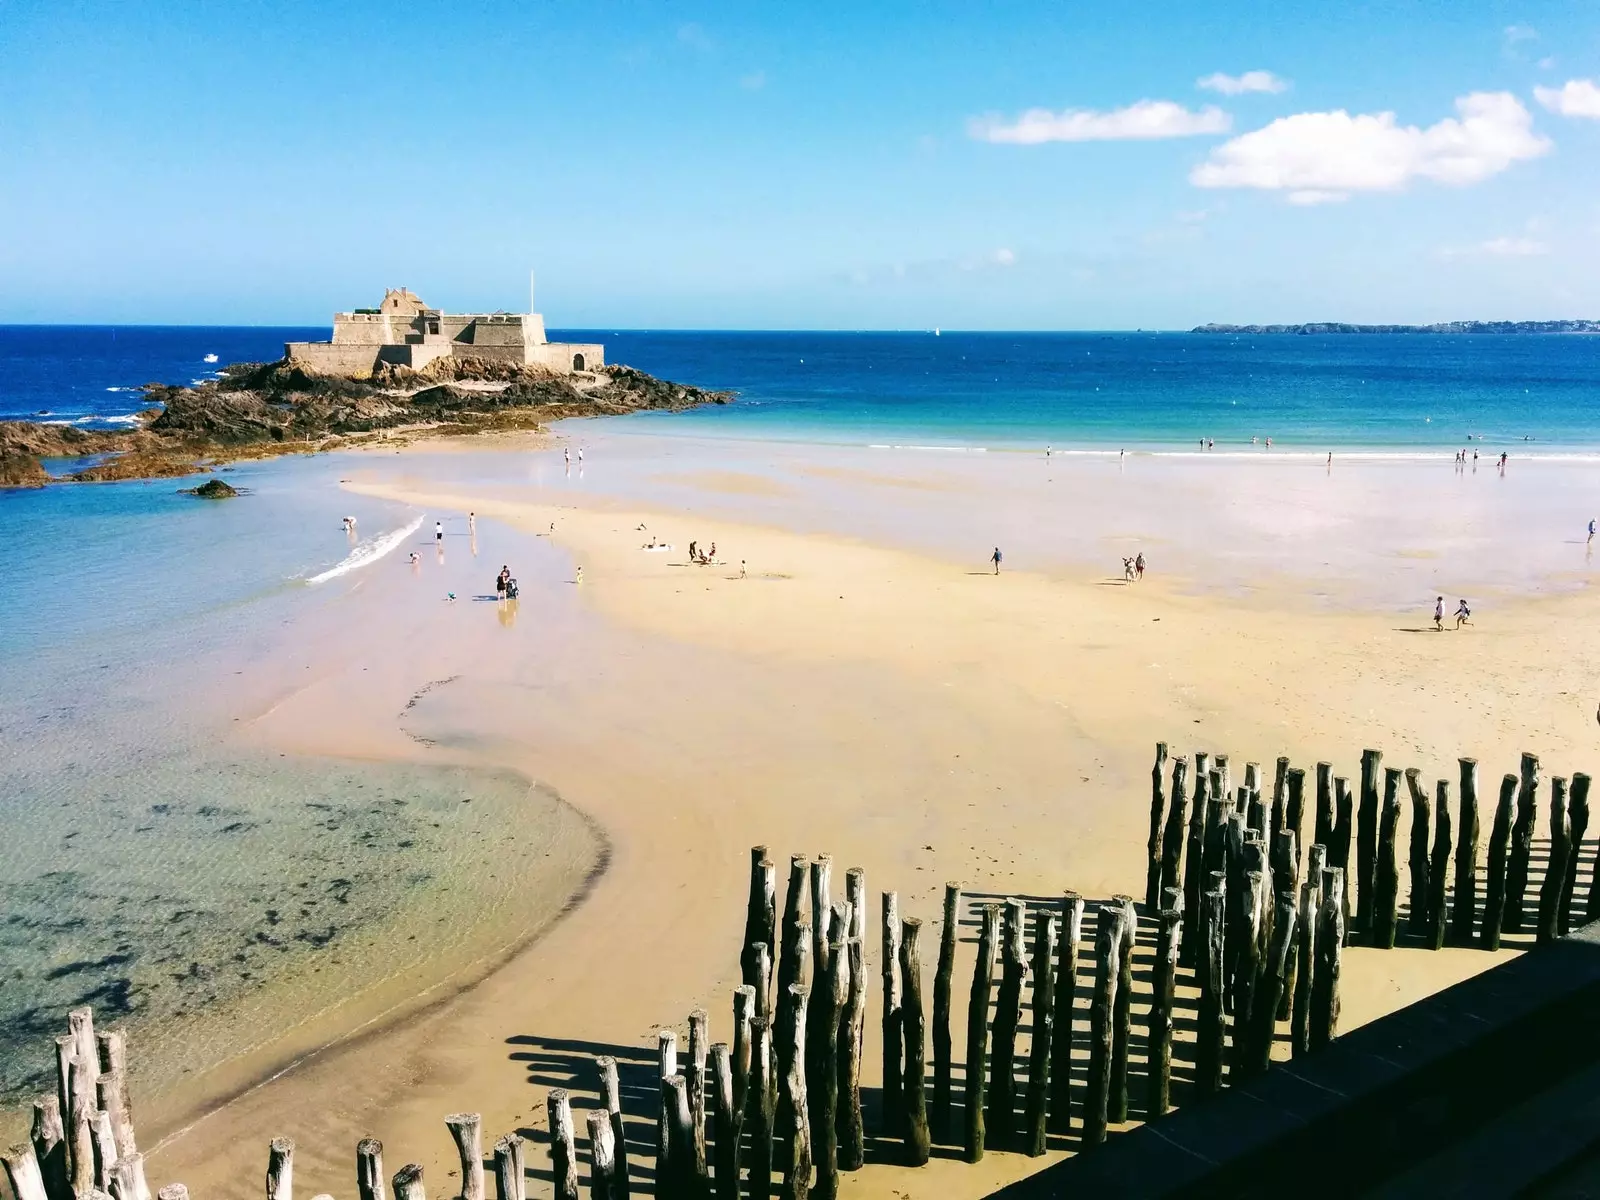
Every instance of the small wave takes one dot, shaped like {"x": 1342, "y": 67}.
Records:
{"x": 121, "y": 389}
{"x": 948, "y": 449}
{"x": 368, "y": 552}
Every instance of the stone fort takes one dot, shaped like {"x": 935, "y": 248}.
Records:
{"x": 405, "y": 332}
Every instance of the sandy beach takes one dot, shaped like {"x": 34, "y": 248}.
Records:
{"x": 851, "y": 678}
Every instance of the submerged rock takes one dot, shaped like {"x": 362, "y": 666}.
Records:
{"x": 213, "y": 489}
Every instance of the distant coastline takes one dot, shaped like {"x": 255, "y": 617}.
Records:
{"x": 1313, "y": 327}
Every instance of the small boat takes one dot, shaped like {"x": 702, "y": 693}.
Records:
{"x": 210, "y": 358}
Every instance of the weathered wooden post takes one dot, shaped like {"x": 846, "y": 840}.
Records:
{"x": 1264, "y": 1011}
{"x": 943, "y": 980}
{"x": 1194, "y": 862}
{"x": 783, "y": 1048}
{"x": 125, "y": 1179}
{"x": 694, "y": 1082}
{"x": 466, "y": 1130}
{"x": 1235, "y": 902}
{"x": 1158, "y": 811}
{"x": 893, "y": 1064}
{"x": 77, "y": 1100}
{"x": 1419, "y": 858}
{"x": 761, "y": 915}
{"x": 793, "y": 949}
{"x": 105, "y": 1149}
{"x": 48, "y": 1137}
{"x": 24, "y": 1174}
{"x": 602, "y": 1157}
{"x": 1578, "y": 818}
{"x": 1363, "y": 882}
{"x": 1325, "y": 814}
{"x": 280, "y": 1169}
{"x": 829, "y": 995}
{"x": 1295, "y": 808}
{"x": 1109, "y": 932}
{"x": 1555, "y": 875}
{"x": 1158, "y": 1099}
{"x": 1210, "y": 1026}
{"x": 1439, "y": 868}
{"x": 1254, "y": 894}
{"x": 511, "y": 1176}
{"x": 1381, "y": 890}
{"x": 1041, "y": 1046}
{"x": 370, "y": 1182}
{"x": 1286, "y": 886}
{"x": 821, "y": 906}
{"x": 563, "y": 1156}
{"x": 1521, "y": 843}
{"x": 1280, "y": 797}
{"x": 1176, "y": 826}
{"x": 1339, "y": 852}
{"x": 918, "y": 1141}
{"x": 1066, "y": 987}
{"x": 744, "y": 1010}
{"x": 852, "y": 1130}
{"x": 666, "y": 1068}
{"x": 1001, "y": 1119}
{"x": 792, "y": 1103}
{"x": 611, "y": 1099}
{"x": 978, "y": 1029}
{"x": 675, "y": 1178}
{"x": 1494, "y": 901}
{"x": 763, "y": 1109}
{"x": 760, "y": 970}
{"x": 1305, "y": 955}
{"x": 1464, "y": 910}
{"x": 1329, "y": 955}
{"x": 173, "y": 1191}
{"x": 1122, "y": 1013}
{"x": 407, "y": 1183}
{"x": 725, "y": 1133}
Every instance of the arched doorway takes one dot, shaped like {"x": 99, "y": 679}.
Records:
{"x": 577, "y": 362}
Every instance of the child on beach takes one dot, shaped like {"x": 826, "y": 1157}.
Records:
{"x": 1463, "y": 614}
{"x": 1438, "y": 615}
{"x": 438, "y": 532}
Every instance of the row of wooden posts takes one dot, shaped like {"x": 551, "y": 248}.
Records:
{"x": 1181, "y": 837}
{"x": 1264, "y": 939}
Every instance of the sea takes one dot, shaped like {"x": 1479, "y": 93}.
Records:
{"x": 159, "y": 871}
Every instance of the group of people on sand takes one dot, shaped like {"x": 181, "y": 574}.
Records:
{"x": 703, "y": 558}
{"x": 1463, "y": 615}
{"x": 505, "y": 587}
{"x": 1133, "y": 568}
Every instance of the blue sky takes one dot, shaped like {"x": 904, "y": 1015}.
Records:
{"x": 1025, "y": 166}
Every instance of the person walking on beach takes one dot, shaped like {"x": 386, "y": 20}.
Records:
{"x": 1438, "y": 615}
{"x": 438, "y": 533}
{"x": 741, "y": 568}
{"x": 1591, "y": 529}
{"x": 1138, "y": 566}
{"x": 1463, "y": 614}
{"x": 995, "y": 558}
{"x": 566, "y": 456}
{"x": 472, "y": 522}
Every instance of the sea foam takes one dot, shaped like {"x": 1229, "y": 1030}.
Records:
{"x": 368, "y": 552}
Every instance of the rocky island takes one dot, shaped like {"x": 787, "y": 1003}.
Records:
{"x": 256, "y": 410}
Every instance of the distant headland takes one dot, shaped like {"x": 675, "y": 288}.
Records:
{"x": 1573, "y": 326}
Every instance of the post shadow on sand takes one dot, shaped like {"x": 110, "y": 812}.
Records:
{"x": 570, "y": 1063}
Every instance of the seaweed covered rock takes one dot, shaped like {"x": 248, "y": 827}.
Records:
{"x": 213, "y": 489}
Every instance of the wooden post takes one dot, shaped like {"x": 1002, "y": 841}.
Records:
{"x": 1339, "y": 852}
{"x": 1280, "y": 798}
{"x": 913, "y": 1029}
{"x": 78, "y": 1105}
{"x": 1494, "y": 902}
{"x": 1329, "y": 954}
{"x": 1001, "y": 1119}
{"x": 666, "y": 1068}
{"x": 943, "y": 981}
{"x": 108, "y": 1088}
{"x": 1234, "y": 904}
{"x": 1384, "y": 881}
{"x": 511, "y": 1175}
{"x": 694, "y": 1082}
{"x": 830, "y": 992}
{"x": 50, "y": 1147}
{"x": 794, "y": 949}
{"x": 408, "y": 1183}
{"x": 1521, "y": 844}
{"x": 1420, "y": 862}
{"x": 675, "y": 1178}
{"x": 105, "y": 1148}
{"x": 978, "y": 1029}
{"x": 761, "y": 909}
{"x": 1066, "y": 987}
{"x": 370, "y": 1182}
{"x": 1578, "y": 816}
{"x": 763, "y": 1103}
{"x": 1194, "y": 867}
{"x": 1264, "y": 1013}
{"x": 1158, "y": 1100}
{"x": 280, "y": 1169}
{"x": 744, "y": 1009}
{"x": 1305, "y": 955}
{"x": 726, "y": 1132}
{"x": 1249, "y": 968}
{"x": 852, "y": 1131}
{"x": 173, "y": 1191}
{"x": 563, "y": 1157}
{"x": 22, "y": 1170}
{"x": 466, "y": 1129}
{"x": 1109, "y": 931}
{"x": 891, "y": 1117}
{"x": 1364, "y": 883}
{"x": 794, "y": 900}
{"x": 821, "y": 906}
{"x": 1158, "y": 807}
{"x": 760, "y": 956}
{"x": 1172, "y": 836}
{"x": 126, "y": 1179}
{"x": 1464, "y": 909}
{"x": 1555, "y": 875}
{"x": 783, "y": 1048}
{"x": 1122, "y": 1013}
{"x": 1325, "y": 814}
{"x": 1286, "y": 886}
{"x": 1041, "y": 1044}
{"x": 1438, "y": 870}
{"x": 1295, "y": 809}
{"x": 611, "y": 1098}
{"x": 602, "y": 1156}
{"x": 792, "y": 1103}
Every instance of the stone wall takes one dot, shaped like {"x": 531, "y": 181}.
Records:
{"x": 560, "y": 356}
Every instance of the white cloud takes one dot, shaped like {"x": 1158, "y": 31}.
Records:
{"x": 1320, "y": 157}
{"x": 1500, "y": 247}
{"x": 1520, "y": 33}
{"x": 1005, "y": 258}
{"x": 1144, "y": 120}
{"x": 1238, "y": 85}
{"x": 1575, "y": 98}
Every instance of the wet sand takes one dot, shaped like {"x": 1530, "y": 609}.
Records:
{"x": 871, "y": 691}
